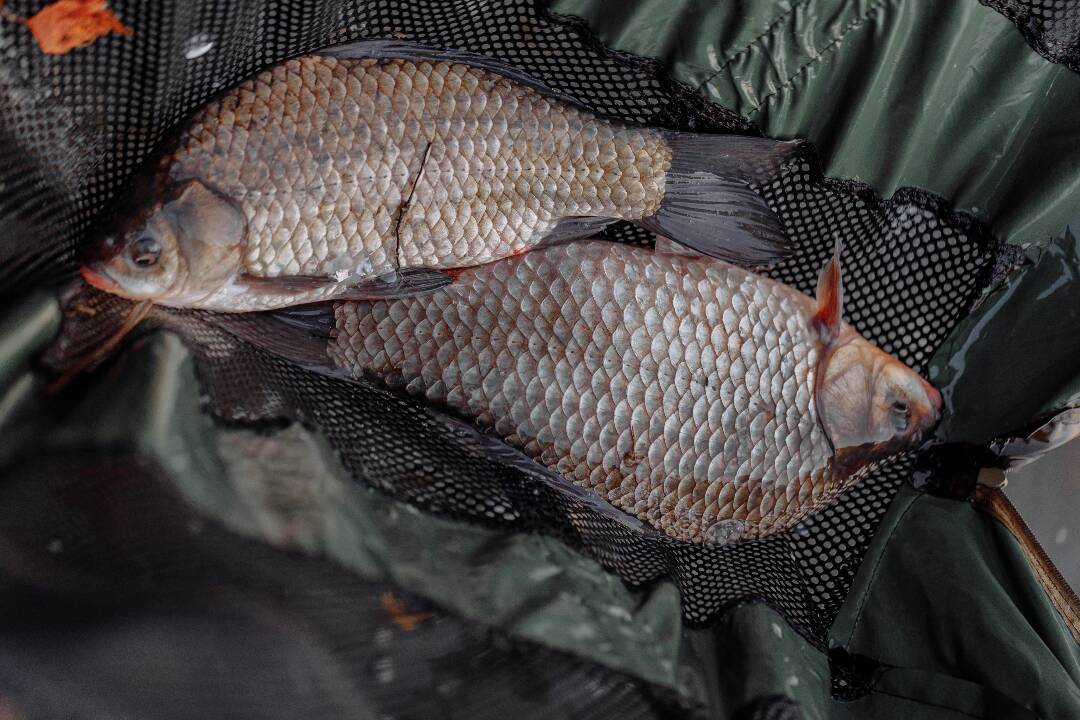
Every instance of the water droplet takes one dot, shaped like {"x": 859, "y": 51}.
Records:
{"x": 1061, "y": 536}
{"x": 55, "y": 546}
{"x": 383, "y": 636}
{"x": 724, "y": 532}
{"x": 383, "y": 670}
{"x": 198, "y": 45}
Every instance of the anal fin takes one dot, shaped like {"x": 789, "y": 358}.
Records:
{"x": 495, "y": 450}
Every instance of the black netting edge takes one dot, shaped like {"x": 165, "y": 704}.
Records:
{"x": 1051, "y": 27}
{"x": 690, "y": 111}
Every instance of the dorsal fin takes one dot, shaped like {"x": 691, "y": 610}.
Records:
{"x": 403, "y": 50}
{"x": 830, "y": 298}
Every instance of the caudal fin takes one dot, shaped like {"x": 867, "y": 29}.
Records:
{"x": 708, "y": 203}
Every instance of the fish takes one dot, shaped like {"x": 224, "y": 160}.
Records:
{"x": 371, "y": 170}
{"x": 711, "y": 403}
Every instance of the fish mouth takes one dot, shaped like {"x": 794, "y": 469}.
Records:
{"x": 99, "y": 279}
{"x": 933, "y": 396}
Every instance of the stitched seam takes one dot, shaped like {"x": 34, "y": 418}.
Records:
{"x": 874, "y": 574}
{"x": 831, "y": 47}
{"x": 739, "y": 53}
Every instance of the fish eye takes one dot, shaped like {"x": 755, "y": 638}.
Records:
{"x": 900, "y": 415}
{"x": 145, "y": 251}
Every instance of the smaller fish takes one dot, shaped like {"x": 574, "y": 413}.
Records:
{"x": 373, "y": 170}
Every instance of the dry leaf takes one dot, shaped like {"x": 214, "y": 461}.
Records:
{"x": 67, "y": 24}
{"x": 396, "y": 610}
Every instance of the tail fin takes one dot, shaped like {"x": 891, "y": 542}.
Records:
{"x": 708, "y": 203}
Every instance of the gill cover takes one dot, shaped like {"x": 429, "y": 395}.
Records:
{"x": 209, "y": 230}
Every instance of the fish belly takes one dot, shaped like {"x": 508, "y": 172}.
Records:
{"x": 679, "y": 389}
{"x": 359, "y": 167}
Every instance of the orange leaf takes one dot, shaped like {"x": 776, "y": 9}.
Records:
{"x": 67, "y": 24}
{"x": 407, "y": 621}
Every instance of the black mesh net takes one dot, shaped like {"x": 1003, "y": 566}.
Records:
{"x": 1052, "y": 27}
{"x": 74, "y": 127}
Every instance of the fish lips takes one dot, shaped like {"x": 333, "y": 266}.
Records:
{"x": 97, "y": 277}
{"x": 926, "y": 420}
{"x": 935, "y": 398}
{"x": 94, "y": 257}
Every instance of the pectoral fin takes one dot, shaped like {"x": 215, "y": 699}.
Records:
{"x": 574, "y": 228}
{"x": 397, "y": 284}
{"x": 284, "y": 284}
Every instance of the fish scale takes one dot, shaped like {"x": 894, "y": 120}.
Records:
{"x": 679, "y": 389}
{"x": 322, "y": 154}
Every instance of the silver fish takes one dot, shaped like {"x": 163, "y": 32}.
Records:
{"x": 708, "y": 401}
{"x": 369, "y": 170}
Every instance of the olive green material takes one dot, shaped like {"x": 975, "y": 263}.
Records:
{"x": 751, "y": 652}
{"x": 527, "y": 584}
{"x": 1023, "y": 342}
{"x": 947, "y": 597}
{"x": 287, "y": 489}
{"x": 148, "y": 401}
{"x": 25, "y": 329}
{"x": 944, "y": 96}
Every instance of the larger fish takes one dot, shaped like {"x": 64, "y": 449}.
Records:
{"x": 708, "y": 401}
{"x": 369, "y": 170}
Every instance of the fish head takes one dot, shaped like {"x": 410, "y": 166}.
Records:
{"x": 174, "y": 249}
{"x": 871, "y": 404}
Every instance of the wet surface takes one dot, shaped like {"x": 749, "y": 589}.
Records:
{"x": 1047, "y": 494}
